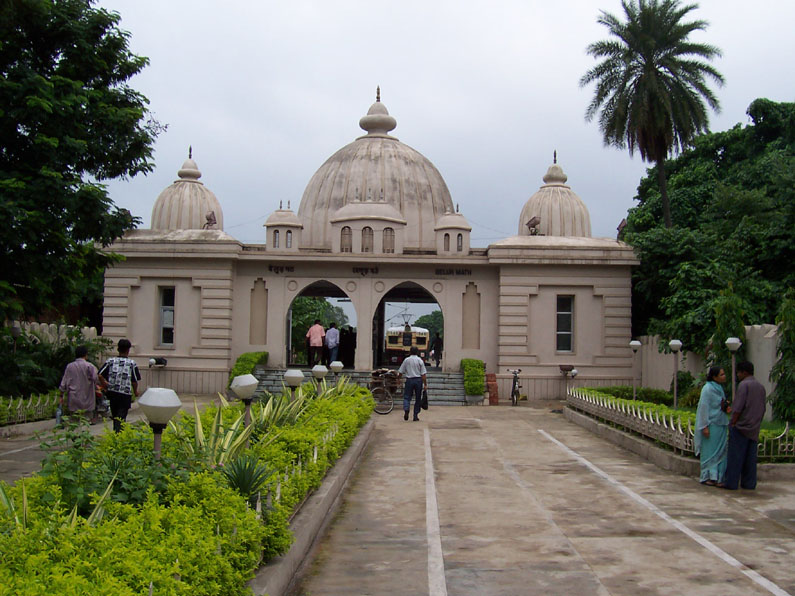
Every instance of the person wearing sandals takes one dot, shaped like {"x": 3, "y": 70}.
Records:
{"x": 711, "y": 428}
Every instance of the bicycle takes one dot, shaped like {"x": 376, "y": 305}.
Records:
{"x": 384, "y": 384}
{"x": 515, "y": 387}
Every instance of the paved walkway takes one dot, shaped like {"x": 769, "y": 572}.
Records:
{"x": 509, "y": 501}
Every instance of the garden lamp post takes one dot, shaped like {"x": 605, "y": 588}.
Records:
{"x": 244, "y": 386}
{"x": 733, "y": 343}
{"x": 293, "y": 377}
{"x": 16, "y": 331}
{"x": 336, "y": 367}
{"x": 159, "y": 405}
{"x": 635, "y": 345}
{"x": 319, "y": 372}
{"x": 566, "y": 370}
{"x": 675, "y": 346}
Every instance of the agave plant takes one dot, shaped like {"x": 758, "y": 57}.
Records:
{"x": 220, "y": 443}
{"x": 247, "y": 476}
{"x": 279, "y": 410}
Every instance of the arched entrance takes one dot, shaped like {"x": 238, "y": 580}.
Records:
{"x": 406, "y": 309}
{"x": 325, "y": 301}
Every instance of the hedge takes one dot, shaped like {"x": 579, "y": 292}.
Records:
{"x": 474, "y": 376}
{"x": 174, "y": 523}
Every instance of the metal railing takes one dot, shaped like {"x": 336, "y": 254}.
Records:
{"x": 668, "y": 429}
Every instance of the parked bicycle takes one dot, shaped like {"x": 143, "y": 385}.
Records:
{"x": 515, "y": 387}
{"x": 384, "y": 385}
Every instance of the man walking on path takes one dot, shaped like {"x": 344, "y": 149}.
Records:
{"x": 79, "y": 384}
{"x": 315, "y": 336}
{"x": 120, "y": 375}
{"x": 332, "y": 342}
{"x": 748, "y": 410}
{"x": 416, "y": 380}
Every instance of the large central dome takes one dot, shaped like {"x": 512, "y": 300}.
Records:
{"x": 376, "y": 167}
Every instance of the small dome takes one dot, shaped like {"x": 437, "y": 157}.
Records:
{"x": 453, "y": 221}
{"x": 376, "y": 168}
{"x": 561, "y": 211}
{"x": 187, "y": 204}
{"x": 368, "y": 210}
{"x": 284, "y": 217}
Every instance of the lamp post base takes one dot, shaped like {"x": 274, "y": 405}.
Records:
{"x": 157, "y": 429}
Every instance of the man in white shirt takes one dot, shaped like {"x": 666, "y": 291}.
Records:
{"x": 413, "y": 368}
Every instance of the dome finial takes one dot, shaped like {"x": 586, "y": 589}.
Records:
{"x": 280, "y": 204}
{"x": 190, "y": 151}
{"x": 555, "y": 156}
{"x": 288, "y": 203}
{"x": 377, "y": 121}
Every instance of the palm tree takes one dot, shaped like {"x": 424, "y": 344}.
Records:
{"x": 651, "y": 82}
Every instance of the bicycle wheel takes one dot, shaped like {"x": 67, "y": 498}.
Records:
{"x": 383, "y": 400}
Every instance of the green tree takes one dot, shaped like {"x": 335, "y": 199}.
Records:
{"x": 651, "y": 82}
{"x": 783, "y": 373}
{"x": 733, "y": 202}
{"x": 68, "y": 121}
{"x": 433, "y": 322}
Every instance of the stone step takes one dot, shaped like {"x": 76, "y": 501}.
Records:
{"x": 444, "y": 388}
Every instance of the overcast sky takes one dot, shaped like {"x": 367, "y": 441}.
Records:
{"x": 266, "y": 91}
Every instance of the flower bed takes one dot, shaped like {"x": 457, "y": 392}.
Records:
{"x": 105, "y": 517}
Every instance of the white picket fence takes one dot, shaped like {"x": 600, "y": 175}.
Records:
{"x": 52, "y": 333}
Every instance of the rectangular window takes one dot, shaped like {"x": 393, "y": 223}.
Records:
{"x": 167, "y": 296}
{"x": 565, "y": 324}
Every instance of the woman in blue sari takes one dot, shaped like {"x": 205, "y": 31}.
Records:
{"x": 711, "y": 429}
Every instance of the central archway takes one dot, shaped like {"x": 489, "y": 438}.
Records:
{"x": 405, "y": 304}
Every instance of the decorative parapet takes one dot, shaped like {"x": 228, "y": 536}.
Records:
{"x": 634, "y": 417}
{"x": 666, "y": 428}
{"x": 21, "y": 410}
{"x": 777, "y": 448}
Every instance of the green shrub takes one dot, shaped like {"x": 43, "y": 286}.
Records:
{"x": 474, "y": 376}
{"x": 691, "y": 397}
{"x": 30, "y": 364}
{"x": 246, "y": 363}
{"x": 684, "y": 381}
{"x": 199, "y": 536}
{"x": 647, "y": 394}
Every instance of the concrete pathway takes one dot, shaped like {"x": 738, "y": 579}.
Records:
{"x": 509, "y": 501}
{"x": 20, "y": 454}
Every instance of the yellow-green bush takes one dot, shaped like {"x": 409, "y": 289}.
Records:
{"x": 191, "y": 534}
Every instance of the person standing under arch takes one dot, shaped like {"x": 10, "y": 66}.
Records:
{"x": 436, "y": 347}
{"x": 315, "y": 336}
{"x": 332, "y": 343}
